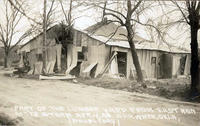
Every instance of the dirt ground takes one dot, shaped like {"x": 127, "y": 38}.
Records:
{"x": 30, "y": 102}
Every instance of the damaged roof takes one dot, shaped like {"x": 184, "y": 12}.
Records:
{"x": 108, "y": 29}
{"x": 143, "y": 45}
{"x": 102, "y": 32}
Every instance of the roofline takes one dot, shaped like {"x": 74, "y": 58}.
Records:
{"x": 129, "y": 47}
{"x": 35, "y": 37}
{"x": 151, "y": 49}
{"x": 85, "y": 32}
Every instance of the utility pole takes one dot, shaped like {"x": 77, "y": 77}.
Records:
{"x": 44, "y": 38}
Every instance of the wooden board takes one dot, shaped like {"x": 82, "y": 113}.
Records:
{"x": 89, "y": 68}
{"x": 65, "y": 77}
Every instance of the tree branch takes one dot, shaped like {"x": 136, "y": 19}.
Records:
{"x": 135, "y": 7}
{"x": 118, "y": 18}
{"x": 107, "y": 9}
{"x": 185, "y": 17}
{"x": 50, "y": 11}
{"x": 22, "y": 11}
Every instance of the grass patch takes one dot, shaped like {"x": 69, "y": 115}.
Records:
{"x": 174, "y": 89}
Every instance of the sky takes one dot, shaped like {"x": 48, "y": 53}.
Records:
{"x": 178, "y": 34}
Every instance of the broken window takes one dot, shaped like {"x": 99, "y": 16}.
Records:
{"x": 39, "y": 57}
{"x": 80, "y": 56}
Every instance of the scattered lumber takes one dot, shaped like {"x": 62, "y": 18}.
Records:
{"x": 54, "y": 77}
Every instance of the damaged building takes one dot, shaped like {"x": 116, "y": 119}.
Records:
{"x": 69, "y": 52}
{"x": 157, "y": 60}
{"x": 92, "y": 53}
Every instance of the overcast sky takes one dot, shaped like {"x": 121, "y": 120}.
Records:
{"x": 87, "y": 17}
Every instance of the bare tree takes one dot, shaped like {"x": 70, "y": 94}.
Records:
{"x": 44, "y": 37}
{"x": 46, "y": 23}
{"x": 41, "y": 24}
{"x": 128, "y": 21}
{"x": 67, "y": 14}
{"x": 67, "y": 24}
{"x": 9, "y": 30}
{"x": 18, "y": 5}
{"x": 190, "y": 10}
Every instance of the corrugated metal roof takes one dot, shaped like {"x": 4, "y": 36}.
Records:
{"x": 101, "y": 32}
{"x": 144, "y": 45}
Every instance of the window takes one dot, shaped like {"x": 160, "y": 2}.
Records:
{"x": 39, "y": 57}
{"x": 81, "y": 56}
{"x": 153, "y": 60}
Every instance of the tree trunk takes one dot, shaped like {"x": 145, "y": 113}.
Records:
{"x": 136, "y": 62}
{"x": 134, "y": 54}
{"x": 6, "y": 61}
{"x": 44, "y": 39}
{"x": 6, "y": 65}
{"x": 194, "y": 70}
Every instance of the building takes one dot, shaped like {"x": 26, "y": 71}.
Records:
{"x": 93, "y": 52}
{"x": 156, "y": 60}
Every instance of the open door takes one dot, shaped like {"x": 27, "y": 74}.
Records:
{"x": 166, "y": 66}
{"x": 182, "y": 65}
{"x": 122, "y": 63}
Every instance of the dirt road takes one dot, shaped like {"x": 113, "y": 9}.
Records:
{"x": 63, "y": 103}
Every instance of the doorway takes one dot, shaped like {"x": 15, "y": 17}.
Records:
{"x": 182, "y": 64}
{"x": 122, "y": 63}
{"x": 166, "y": 66}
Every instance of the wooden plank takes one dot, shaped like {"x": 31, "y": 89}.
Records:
{"x": 106, "y": 66}
{"x": 89, "y": 68}
{"x": 70, "y": 68}
{"x": 66, "y": 77}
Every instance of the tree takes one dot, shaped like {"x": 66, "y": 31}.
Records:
{"x": 19, "y": 6}
{"x": 68, "y": 15}
{"x": 67, "y": 24}
{"x": 9, "y": 30}
{"x": 126, "y": 21}
{"x": 190, "y": 11}
{"x": 46, "y": 23}
{"x": 44, "y": 37}
{"x": 40, "y": 25}
{"x": 132, "y": 10}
